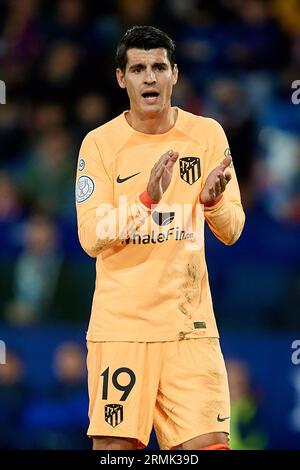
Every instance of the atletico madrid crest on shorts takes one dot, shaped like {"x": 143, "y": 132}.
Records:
{"x": 190, "y": 170}
{"x": 114, "y": 414}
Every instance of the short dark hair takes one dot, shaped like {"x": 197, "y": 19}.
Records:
{"x": 144, "y": 37}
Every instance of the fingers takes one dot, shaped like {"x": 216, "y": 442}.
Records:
{"x": 174, "y": 156}
{"x": 212, "y": 193}
{"x": 216, "y": 181}
{"x": 228, "y": 177}
{"x": 220, "y": 185}
{"x": 172, "y": 160}
{"x": 166, "y": 156}
{"x": 223, "y": 182}
{"x": 225, "y": 163}
{"x": 160, "y": 164}
{"x": 162, "y": 161}
{"x": 166, "y": 161}
{"x": 154, "y": 187}
{"x": 217, "y": 187}
{"x": 160, "y": 171}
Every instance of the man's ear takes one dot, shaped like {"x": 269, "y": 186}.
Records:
{"x": 120, "y": 78}
{"x": 175, "y": 74}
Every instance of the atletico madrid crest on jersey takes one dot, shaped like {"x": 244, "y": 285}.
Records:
{"x": 190, "y": 170}
{"x": 114, "y": 414}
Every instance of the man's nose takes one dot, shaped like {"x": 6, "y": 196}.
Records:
{"x": 150, "y": 76}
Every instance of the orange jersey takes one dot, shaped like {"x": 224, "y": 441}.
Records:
{"x": 151, "y": 275}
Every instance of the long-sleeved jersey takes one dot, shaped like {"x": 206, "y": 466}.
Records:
{"x": 151, "y": 274}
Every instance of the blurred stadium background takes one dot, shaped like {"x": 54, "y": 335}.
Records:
{"x": 237, "y": 61}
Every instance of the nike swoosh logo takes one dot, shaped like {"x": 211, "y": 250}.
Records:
{"x": 222, "y": 419}
{"x": 121, "y": 180}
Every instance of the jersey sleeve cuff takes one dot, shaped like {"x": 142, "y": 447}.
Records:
{"x": 214, "y": 202}
{"x": 146, "y": 200}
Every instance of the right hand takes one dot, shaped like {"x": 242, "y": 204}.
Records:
{"x": 216, "y": 182}
{"x": 161, "y": 175}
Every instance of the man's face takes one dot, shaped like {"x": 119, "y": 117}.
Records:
{"x": 148, "y": 79}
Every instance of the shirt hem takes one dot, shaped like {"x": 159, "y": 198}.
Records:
{"x": 159, "y": 339}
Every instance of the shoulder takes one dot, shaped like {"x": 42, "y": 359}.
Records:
{"x": 105, "y": 131}
{"x": 194, "y": 123}
{"x": 202, "y": 129}
{"x": 107, "y": 140}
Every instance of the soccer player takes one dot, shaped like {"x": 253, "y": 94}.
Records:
{"x": 144, "y": 180}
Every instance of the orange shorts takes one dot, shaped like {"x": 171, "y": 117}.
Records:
{"x": 179, "y": 386}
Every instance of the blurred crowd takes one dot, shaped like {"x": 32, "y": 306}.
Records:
{"x": 237, "y": 61}
{"x": 52, "y": 417}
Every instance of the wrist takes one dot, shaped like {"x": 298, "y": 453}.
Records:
{"x": 146, "y": 199}
{"x": 213, "y": 202}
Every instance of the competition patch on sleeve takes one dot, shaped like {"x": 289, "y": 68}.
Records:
{"x": 81, "y": 164}
{"x": 84, "y": 188}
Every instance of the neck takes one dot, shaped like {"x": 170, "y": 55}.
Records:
{"x": 152, "y": 123}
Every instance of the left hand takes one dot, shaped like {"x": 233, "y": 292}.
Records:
{"x": 216, "y": 182}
